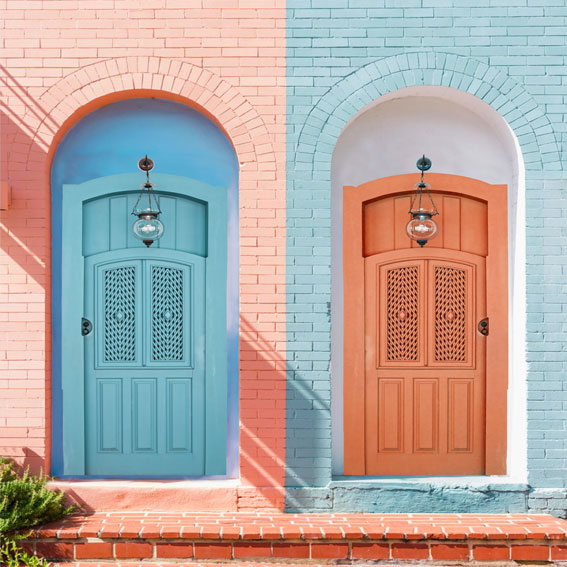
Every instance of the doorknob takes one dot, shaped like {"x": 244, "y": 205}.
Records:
{"x": 483, "y": 326}
{"x": 86, "y": 327}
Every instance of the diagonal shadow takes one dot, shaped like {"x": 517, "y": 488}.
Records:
{"x": 24, "y": 275}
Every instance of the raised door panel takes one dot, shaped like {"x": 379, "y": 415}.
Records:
{"x": 391, "y": 415}
{"x": 461, "y": 416}
{"x": 144, "y": 415}
{"x": 108, "y": 403}
{"x": 179, "y": 415}
{"x": 425, "y": 415}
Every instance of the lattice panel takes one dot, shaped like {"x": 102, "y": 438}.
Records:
{"x": 167, "y": 314}
{"x": 403, "y": 314}
{"x": 450, "y": 314}
{"x": 120, "y": 314}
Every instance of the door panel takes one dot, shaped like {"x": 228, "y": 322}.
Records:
{"x": 118, "y": 312}
{"x": 451, "y": 311}
{"x": 109, "y": 415}
{"x": 424, "y": 391}
{"x": 145, "y": 321}
{"x": 424, "y": 311}
{"x": 144, "y": 415}
{"x": 144, "y": 393}
{"x": 399, "y": 290}
{"x": 425, "y": 415}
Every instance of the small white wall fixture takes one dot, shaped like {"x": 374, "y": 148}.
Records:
{"x": 462, "y": 135}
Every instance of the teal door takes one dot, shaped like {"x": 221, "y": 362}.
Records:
{"x": 148, "y": 395}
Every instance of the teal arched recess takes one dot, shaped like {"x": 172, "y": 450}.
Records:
{"x": 182, "y": 142}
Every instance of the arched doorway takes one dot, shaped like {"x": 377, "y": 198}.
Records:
{"x": 150, "y": 392}
{"x": 424, "y": 390}
{"x": 464, "y": 136}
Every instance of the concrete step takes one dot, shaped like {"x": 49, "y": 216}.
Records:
{"x": 122, "y": 538}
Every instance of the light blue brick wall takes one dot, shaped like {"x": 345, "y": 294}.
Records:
{"x": 341, "y": 55}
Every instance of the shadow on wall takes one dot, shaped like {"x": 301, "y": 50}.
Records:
{"x": 25, "y": 329}
{"x": 24, "y": 274}
{"x": 262, "y": 435}
{"x": 308, "y": 409}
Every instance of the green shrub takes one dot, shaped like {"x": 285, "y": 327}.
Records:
{"x": 25, "y": 502}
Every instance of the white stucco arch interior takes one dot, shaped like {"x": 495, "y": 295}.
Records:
{"x": 463, "y": 136}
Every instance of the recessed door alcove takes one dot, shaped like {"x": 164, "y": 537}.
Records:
{"x": 144, "y": 403}
{"x": 463, "y": 136}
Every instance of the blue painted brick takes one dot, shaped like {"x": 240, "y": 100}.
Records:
{"x": 345, "y": 53}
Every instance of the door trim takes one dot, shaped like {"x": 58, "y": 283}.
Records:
{"x": 72, "y": 284}
{"x": 354, "y": 199}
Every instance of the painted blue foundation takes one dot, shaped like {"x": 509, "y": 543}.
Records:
{"x": 342, "y": 56}
{"x": 400, "y": 498}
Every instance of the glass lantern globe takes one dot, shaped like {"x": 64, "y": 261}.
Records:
{"x": 421, "y": 228}
{"x": 148, "y": 228}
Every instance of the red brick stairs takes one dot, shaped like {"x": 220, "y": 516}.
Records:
{"x": 150, "y": 539}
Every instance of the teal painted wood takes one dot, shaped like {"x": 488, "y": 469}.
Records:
{"x": 145, "y": 393}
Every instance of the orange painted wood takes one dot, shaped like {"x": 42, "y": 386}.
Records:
{"x": 380, "y": 236}
{"x": 353, "y": 270}
{"x": 413, "y": 383}
{"x": 497, "y": 343}
{"x": 433, "y": 394}
{"x": 452, "y": 232}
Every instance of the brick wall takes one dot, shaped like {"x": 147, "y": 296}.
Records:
{"x": 61, "y": 57}
{"x": 341, "y": 55}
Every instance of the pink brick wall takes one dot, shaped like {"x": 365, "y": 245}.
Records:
{"x": 64, "y": 57}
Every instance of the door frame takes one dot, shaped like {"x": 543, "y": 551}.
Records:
{"x": 354, "y": 199}
{"x": 72, "y": 307}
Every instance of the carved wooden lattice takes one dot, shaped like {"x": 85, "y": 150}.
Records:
{"x": 120, "y": 314}
{"x": 167, "y": 314}
{"x": 450, "y": 314}
{"x": 403, "y": 314}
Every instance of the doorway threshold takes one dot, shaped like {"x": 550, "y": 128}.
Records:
{"x": 151, "y": 495}
{"x": 480, "y": 481}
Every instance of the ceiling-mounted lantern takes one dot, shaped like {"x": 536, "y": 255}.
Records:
{"x": 422, "y": 228}
{"x": 148, "y": 228}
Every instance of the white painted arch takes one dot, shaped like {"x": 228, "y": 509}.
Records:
{"x": 462, "y": 135}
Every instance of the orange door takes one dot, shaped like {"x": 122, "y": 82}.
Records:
{"x": 425, "y": 365}
{"x": 417, "y": 401}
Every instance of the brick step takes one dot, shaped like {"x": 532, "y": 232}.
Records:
{"x": 194, "y": 564}
{"x": 308, "y": 552}
{"x": 305, "y": 539}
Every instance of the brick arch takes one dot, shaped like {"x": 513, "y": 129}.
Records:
{"x": 350, "y": 95}
{"x": 76, "y": 94}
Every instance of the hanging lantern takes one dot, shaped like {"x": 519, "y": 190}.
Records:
{"x": 148, "y": 228}
{"x": 422, "y": 228}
